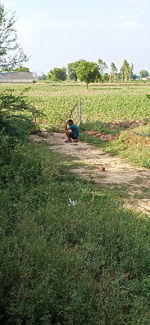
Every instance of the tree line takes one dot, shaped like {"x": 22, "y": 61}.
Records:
{"x": 88, "y": 72}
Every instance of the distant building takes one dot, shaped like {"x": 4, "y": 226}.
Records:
{"x": 16, "y": 76}
{"x": 136, "y": 77}
{"x": 146, "y": 78}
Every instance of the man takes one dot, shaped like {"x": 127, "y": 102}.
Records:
{"x": 72, "y": 132}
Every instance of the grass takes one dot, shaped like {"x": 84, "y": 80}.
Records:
{"x": 61, "y": 264}
{"x": 131, "y": 144}
{"x": 103, "y": 105}
{"x": 86, "y": 264}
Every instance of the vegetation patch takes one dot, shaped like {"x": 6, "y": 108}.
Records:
{"x": 70, "y": 253}
{"x": 62, "y": 263}
{"x": 111, "y": 118}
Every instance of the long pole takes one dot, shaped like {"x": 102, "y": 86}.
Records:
{"x": 80, "y": 112}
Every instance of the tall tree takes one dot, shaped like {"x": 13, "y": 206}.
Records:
{"x": 11, "y": 55}
{"x": 126, "y": 71}
{"x": 131, "y": 71}
{"x": 88, "y": 72}
{"x": 72, "y": 67}
{"x": 113, "y": 73}
{"x": 144, "y": 73}
{"x": 102, "y": 66}
{"x": 57, "y": 74}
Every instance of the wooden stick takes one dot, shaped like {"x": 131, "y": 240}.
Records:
{"x": 68, "y": 115}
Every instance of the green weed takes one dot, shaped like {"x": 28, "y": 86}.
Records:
{"x": 62, "y": 264}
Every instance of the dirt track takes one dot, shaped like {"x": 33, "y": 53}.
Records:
{"x": 117, "y": 171}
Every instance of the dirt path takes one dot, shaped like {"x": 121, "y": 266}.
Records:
{"x": 117, "y": 171}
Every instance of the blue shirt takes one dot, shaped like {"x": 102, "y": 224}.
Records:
{"x": 75, "y": 130}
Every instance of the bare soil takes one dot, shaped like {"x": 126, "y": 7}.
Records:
{"x": 118, "y": 173}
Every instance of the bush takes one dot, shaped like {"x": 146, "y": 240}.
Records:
{"x": 17, "y": 116}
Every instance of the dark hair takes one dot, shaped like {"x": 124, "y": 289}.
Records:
{"x": 70, "y": 121}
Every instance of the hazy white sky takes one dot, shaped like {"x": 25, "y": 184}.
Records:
{"x": 56, "y": 32}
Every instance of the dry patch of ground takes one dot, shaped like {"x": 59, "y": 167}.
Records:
{"x": 117, "y": 171}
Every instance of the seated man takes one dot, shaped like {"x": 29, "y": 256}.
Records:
{"x": 72, "y": 132}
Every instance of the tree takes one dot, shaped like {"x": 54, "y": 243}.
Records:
{"x": 126, "y": 71}
{"x": 11, "y": 55}
{"x": 131, "y": 71}
{"x": 113, "y": 73}
{"x": 43, "y": 76}
{"x": 72, "y": 67}
{"x": 57, "y": 74}
{"x": 25, "y": 69}
{"x": 106, "y": 77}
{"x": 102, "y": 66}
{"x": 88, "y": 72}
{"x": 144, "y": 73}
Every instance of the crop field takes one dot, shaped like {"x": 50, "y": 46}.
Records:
{"x": 118, "y": 110}
{"x": 101, "y": 102}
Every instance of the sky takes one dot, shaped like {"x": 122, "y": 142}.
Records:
{"x": 54, "y": 33}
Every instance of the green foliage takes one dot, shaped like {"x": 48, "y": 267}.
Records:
{"x": 138, "y": 149}
{"x": 105, "y": 77}
{"x": 22, "y": 69}
{"x": 60, "y": 264}
{"x": 102, "y": 66}
{"x": 57, "y": 74}
{"x": 113, "y": 74}
{"x": 144, "y": 73}
{"x": 88, "y": 72}
{"x": 101, "y": 105}
{"x": 11, "y": 55}
{"x": 126, "y": 71}
{"x": 9, "y": 102}
{"x": 133, "y": 147}
{"x": 17, "y": 115}
{"x": 72, "y": 67}
{"x": 87, "y": 264}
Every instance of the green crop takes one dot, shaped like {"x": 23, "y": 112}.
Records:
{"x": 100, "y": 103}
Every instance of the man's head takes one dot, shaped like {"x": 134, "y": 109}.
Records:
{"x": 70, "y": 122}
